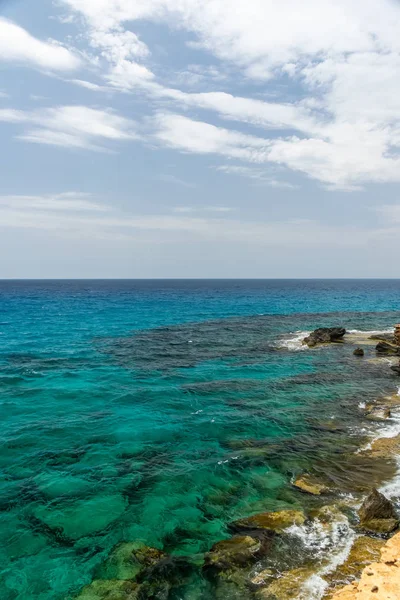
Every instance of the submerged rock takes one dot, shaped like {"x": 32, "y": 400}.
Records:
{"x": 110, "y": 590}
{"x": 287, "y": 587}
{"x": 377, "y": 514}
{"x": 325, "y": 335}
{"x": 127, "y": 560}
{"x": 310, "y": 484}
{"x": 237, "y": 551}
{"x": 358, "y": 352}
{"x": 270, "y": 521}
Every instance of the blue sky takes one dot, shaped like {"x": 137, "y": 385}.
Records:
{"x": 199, "y": 138}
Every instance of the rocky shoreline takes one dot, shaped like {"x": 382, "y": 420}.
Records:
{"x": 364, "y": 519}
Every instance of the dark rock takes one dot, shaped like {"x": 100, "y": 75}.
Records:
{"x": 358, "y": 352}
{"x": 325, "y": 335}
{"x": 396, "y": 369}
{"x": 376, "y": 506}
{"x": 387, "y": 348}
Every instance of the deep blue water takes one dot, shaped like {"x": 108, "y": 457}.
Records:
{"x": 160, "y": 411}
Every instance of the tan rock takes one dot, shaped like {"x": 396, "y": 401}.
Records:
{"x": 379, "y": 580}
{"x": 364, "y": 551}
{"x": 384, "y": 447}
{"x": 271, "y": 521}
{"x": 310, "y": 485}
{"x": 287, "y": 587}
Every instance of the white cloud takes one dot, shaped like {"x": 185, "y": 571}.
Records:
{"x": 72, "y": 126}
{"x": 343, "y": 57}
{"x": 187, "y": 135}
{"x": 17, "y": 45}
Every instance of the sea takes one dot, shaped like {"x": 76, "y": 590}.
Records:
{"x": 160, "y": 411}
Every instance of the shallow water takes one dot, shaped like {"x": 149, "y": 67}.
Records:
{"x": 162, "y": 411}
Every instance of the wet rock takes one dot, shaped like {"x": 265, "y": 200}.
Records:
{"x": 378, "y": 413}
{"x": 261, "y": 579}
{"x": 364, "y": 551}
{"x": 384, "y": 447}
{"x": 380, "y": 526}
{"x": 396, "y": 369}
{"x": 270, "y": 521}
{"x": 379, "y": 580}
{"x": 127, "y": 560}
{"x": 387, "y": 348}
{"x": 287, "y": 587}
{"x": 358, "y": 352}
{"x": 311, "y": 485}
{"x": 397, "y": 334}
{"x": 325, "y": 335}
{"x": 236, "y": 551}
{"x": 377, "y": 514}
{"x": 110, "y": 590}
{"x": 326, "y": 514}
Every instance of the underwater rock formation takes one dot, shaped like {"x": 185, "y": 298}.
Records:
{"x": 270, "y": 521}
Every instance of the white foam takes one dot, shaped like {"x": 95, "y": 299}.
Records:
{"x": 370, "y": 332}
{"x": 334, "y": 541}
{"x": 295, "y": 341}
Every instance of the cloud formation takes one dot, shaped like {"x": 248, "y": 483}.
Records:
{"x": 342, "y": 57}
{"x": 18, "y": 46}
{"x": 72, "y": 126}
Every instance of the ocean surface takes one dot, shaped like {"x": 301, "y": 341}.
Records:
{"x": 161, "y": 411}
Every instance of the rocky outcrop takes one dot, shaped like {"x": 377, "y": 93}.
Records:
{"x": 364, "y": 551}
{"x": 379, "y": 580}
{"x": 387, "y": 348}
{"x": 377, "y": 514}
{"x": 310, "y": 485}
{"x": 325, "y": 335}
{"x": 358, "y": 352}
{"x": 270, "y": 521}
{"x": 397, "y": 334}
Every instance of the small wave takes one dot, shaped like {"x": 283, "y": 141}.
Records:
{"x": 295, "y": 341}
{"x": 370, "y": 332}
{"x": 334, "y": 542}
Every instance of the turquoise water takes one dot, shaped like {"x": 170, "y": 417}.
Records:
{"x": 160, "y": 411}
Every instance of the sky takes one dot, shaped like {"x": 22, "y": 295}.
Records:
{"x": 199, "y": 138}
